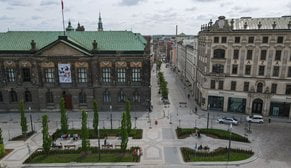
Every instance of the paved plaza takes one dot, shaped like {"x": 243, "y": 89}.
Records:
{"x": 271, "y": 142}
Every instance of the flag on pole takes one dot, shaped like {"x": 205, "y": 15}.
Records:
{"x": 62, "y": 4}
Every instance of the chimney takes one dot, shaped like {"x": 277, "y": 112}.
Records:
{"x": 94, "y": 44}
{"x": 33, "y": 45}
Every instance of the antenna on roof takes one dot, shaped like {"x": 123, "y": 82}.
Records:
{"x": 62, "y": 3}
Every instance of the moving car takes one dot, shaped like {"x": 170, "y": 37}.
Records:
{"x": 228, "y": 120}
{"x": 255, "y": 119}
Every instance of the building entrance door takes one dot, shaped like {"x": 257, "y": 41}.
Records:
{"x": 68, "y": 101}
{"x": 257, "y": 106}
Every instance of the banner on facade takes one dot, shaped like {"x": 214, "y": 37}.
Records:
{"x": 65, "y": 75}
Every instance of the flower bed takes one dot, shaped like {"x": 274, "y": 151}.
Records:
{"x": 67, "y": 156}
{"x": 135, "y": 133}
{"x": 214, "y": 133}
{"x": 220, "y": 154}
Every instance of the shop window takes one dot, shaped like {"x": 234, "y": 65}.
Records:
{"x": 263, "y": 54}
{"x": 260, "y": 87}
{"x": 237, "y": 105}
{"x": 219, "y": 53}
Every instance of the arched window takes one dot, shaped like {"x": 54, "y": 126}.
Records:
{"x": 219, "y": 53}
{"x": 218, "y": 68}
{"x": 49, "y": 97}
{"x": 27, "y": 96}
{"x": 13, "y": 96}
{"x": 260, "y": 87}
{"x": 106, "y": 96}
{"x": 82, "y": 98}
{"x": 136, "y": 97}
{"x": 121, "y": 96}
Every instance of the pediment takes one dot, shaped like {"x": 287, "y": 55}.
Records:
{"x": 62, "y": 48}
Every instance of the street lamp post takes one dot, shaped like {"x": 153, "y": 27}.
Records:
{"x": 110, "y": 116}
{"x": 29, "y": 109}
{"x": 229, "y": 142}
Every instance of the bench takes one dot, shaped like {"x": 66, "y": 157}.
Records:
{"x": 69, "y": 146}
{"x": 107, "y": 146}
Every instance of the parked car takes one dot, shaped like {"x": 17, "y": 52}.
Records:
{"x": 227, "y": 120}
{"x": 255, "y": 119}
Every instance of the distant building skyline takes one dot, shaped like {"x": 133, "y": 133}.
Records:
{"x": 149, "y": 17}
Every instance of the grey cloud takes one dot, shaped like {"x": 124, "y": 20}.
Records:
{"x": 49, "y": 2}
{"x": 35, "y": 17}
{"x": 4, "y": 17}
{"x": 17, "y": 3}
{"x": 243, "y": 10}
{"x": 130, "y": 2}
{"x": 190, "y": 9}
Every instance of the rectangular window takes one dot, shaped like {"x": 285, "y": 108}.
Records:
{"x": 276, "y": 70}
{"x": 26, "y": 74}
{"x": 233, "y": 85}
{"x": 223, "y": 40}
{"x": 265, "y": 39}
{"x": 248, "y": 70}
{"x": 288, "y": 89}
{"x": 136, "y": 74}
{"x": 246, "y": 86}
{"x": 289, "y": 71}
{"x": 251, "y": 39}
{"x": 261, "y": 70}
{"x": 212, "y": 84}
{"x": 216, "y": 39}
{"x": 274, "y": 88}
{"x": 263, "y": 54}
{"x": 278, "y": 55}
{"x": 49, "y": 75}
{"x": 11, "y": 74}
{"x": 82, "y": 75}
{"x": 234, "y": 69}
{"x": 106, "y": 75}
{"x": 249, "y": 54}
{"x": 121, "y": 78}
{"x": 280, "y": 39}
{"x": 235, "y": 54}
{"x": 220, "y": 85}
{"x": 1, "y": 97}
{"x": 237, "y": 40}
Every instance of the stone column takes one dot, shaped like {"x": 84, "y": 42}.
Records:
{"x": 249, "y": 106}
{"x": 225, "y": 103}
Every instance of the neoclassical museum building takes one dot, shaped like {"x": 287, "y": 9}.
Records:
{"x": 40, "y": 67}
{"x": 244, "y": 66}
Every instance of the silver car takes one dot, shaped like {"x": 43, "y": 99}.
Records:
{"x": 227, "y": 120}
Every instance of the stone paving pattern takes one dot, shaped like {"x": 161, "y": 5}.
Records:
{"x": 161, "y": 148}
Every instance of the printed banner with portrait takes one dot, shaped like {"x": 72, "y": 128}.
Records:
{"x": 65, "y": 75}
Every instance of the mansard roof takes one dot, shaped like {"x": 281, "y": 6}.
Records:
{"x": 106, "y": 40}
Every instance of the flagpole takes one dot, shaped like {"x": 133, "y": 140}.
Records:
{"x": 63, "y": 17}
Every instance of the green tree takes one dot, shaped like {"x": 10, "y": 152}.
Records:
{"x": 96, "y": 117}
{"x": 85, "y": 132}
{"x": 23, "y": 121}
{"x": 128, "y": 116}
{"x": 124, "y": 134}
{"x": 2, "y": 148}
{"x": 47, "y": 141}
{"x": 64, "y": 117}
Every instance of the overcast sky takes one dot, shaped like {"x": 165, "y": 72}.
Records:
{"x": 143, "y": 16}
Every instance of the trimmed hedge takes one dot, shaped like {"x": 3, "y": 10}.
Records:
{"x": 134, "y": 133}
{"x": 215, "y": 133}
{"x": 92, "y": 150}
{"x": 220, "y": 154}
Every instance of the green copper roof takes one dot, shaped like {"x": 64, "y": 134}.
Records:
{"x": 106, "y": 40}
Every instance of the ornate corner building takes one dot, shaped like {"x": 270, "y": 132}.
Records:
{"x": 244, "y": 66}
{"x": 42, "y": 67}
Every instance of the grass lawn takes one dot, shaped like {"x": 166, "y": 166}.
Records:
{"x": 93, "y": 157}
{"x": 214, "y": 133}
{"x": 218, "y": 155}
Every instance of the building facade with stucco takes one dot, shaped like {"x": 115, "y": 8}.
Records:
{"x": 244, "y": 66}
